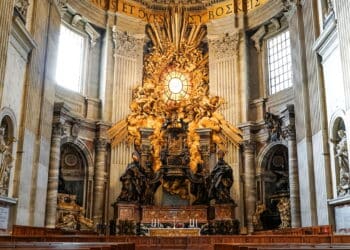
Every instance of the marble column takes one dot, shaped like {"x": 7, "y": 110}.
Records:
{"x": 6, "y": 10}
{"x": 249, "y": 183}
{"x": 99, "y": 180}
{"x": 52, "y": 186}
{"x": 289, "y": 132}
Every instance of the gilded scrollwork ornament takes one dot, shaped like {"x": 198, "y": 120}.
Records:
{"x": 176, "y": 48}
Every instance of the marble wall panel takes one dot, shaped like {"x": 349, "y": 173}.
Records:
{"x": 25, "y": 179}
{"x": 305, "y": 207}
{"x": 320, "y": 179}
{"x": 40, "y": 195}
{"x": 14, "y": 81}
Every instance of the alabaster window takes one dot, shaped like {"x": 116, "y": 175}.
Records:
{"x": 176, "y": 86}
{"x": 279, "y": 62}
{"x": 70, "y": 61}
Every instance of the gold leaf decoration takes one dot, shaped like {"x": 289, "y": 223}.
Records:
{"x": 177, "y": 47}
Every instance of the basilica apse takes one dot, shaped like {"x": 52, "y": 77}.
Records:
{"x": 176, "y": 130}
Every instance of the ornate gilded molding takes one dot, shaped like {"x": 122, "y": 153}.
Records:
{"x": 226, "y": 46}
{"x": 125, "y": 44}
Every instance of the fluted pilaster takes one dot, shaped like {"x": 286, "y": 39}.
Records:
{"x": 6, "y": 10}
{"x": 52, "y": 186}
{"x": 128, "y": 61}
{"x": 249, "y": 182}
{"x": 343, "y": 17}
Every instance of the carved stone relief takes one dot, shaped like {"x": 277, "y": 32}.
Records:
{"x": 226, "y": 46}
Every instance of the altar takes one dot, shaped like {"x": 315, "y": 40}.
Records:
{"x": 174, "y": 214}
{"x": 166, "y": 232}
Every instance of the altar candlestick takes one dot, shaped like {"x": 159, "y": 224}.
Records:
{"x": 196, "y": 223}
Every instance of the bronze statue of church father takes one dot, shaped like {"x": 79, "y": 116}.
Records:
{"x": 184, "y": 195}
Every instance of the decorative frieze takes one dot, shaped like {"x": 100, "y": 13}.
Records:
{"x": 226, "y": 46}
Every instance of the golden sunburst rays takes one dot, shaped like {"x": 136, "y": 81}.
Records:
{"x": 176, "y": 31}
{"x": 118, "y": 132}
{"x": 176, "y": 48}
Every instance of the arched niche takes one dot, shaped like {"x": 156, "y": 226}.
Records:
{"x": 7, "y": 141}
{"x": 73, "y": 172}
{"x": 339, "y": 155}
{"x": 272, "y": 182}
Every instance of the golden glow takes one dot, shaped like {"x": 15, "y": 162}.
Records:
{"x": 176, "y": 86}
{"x": 176, "y": 55}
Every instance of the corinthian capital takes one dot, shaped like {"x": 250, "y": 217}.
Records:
{"x": 126, "y": 44}
{"x": 226, "y": 46}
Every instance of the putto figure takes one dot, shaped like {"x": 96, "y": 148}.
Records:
{"x": 221, "y": 180}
